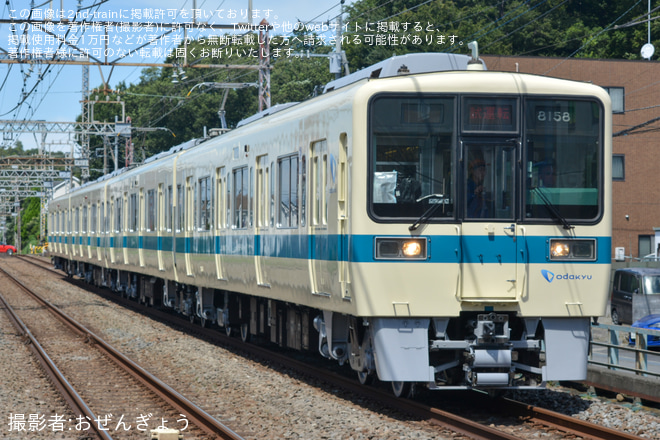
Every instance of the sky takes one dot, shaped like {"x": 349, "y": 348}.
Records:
{"x": 56, "y": 98}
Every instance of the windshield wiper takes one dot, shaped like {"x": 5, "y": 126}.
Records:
{"x": 552, "y": 208}
{"x": 429, "y": 212}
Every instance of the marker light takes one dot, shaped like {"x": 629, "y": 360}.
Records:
{"x": 574, "y": 250}
{"x": 388, "y": 248}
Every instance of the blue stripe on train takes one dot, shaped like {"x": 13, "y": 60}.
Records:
{"x": 441, "y": 248}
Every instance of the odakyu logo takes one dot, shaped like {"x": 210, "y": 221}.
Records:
{"x": 550, "y": 276}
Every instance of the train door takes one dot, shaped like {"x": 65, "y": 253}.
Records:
{"x": 125, "y": 227}
{"x": 342, "y": 216}
{"x": 140, "y": 227}
{"x": 114, "y": 226}
{"x": 77, "y": 245}
{"x": 96, "y": 230}
{"x": 489, "y": 231}
{"x": 178, "y": 229}
{"x": 221, "y": 222}
{"x": 105, "y": 242}
{"x": 87, "y": 231}
{"x": 322, "y": 254}
{"x": 160, "y": 221}
{"x": 262, "y": 244}
{"x": 189, "y": 224}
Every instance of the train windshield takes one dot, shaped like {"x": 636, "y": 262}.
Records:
{"x": 540, "y": 159}
{"x": 563, "y": 156}
{"x": 412, "y": 141}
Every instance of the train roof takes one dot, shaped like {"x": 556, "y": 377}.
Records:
{"x": 175, "y": 149}
{"x": 264, "y": 113}
{"x": 410, "y": 64}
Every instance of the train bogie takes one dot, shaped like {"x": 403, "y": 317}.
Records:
{"x": 444, "y": 228}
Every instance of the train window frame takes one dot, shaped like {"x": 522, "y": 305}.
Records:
{"x": 204, "y": 202}
{"x": 261, "y": 191}
{"x": 287, "y": 179}
{"x": 272, "y": 194}
{"x": 527, "y": 132}
{"x": 251, "y": 198}
{"x": 240, "y": 207}
{"x": 189, "y": 206}
{"x": 124, "y": 201}
{"x": 150, "y": 210}
{"x": 133, "y": 216}
{"x": 118, "y": 215}
{"x": 303, "y": 190}
{"x": 180, "y": 207}
{"x": 93, "y": 219}
{"x": 102, "y": 218}
{"x": 219, "y": 198}
{"x": 445, "y": 130}
{"x": 84, "y": 219}
{"x": 160, "y": 221}
{"x": 169, "y": 211}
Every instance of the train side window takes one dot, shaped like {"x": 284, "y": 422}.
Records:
{"x": 151, "y": 210}
{"x": 288, "y": 192}
{"x": 84, "y": 219}
{"x": 272, "y": 195}
{"x": 324, "y": 182}
{"x": 191, "y": 189}
{"x": 318, "y": 162}
{"x": 106, "y": 218}
{"x": 133, "y": 213}
{"x": 303, "y": 190}
{"x": 125, "y": 211}
{"x": 118, "y": 216}
{"x": 141, "y": 211}
{"x": 180, "y": 198}
{"x": 160, "y": 222}
{"x": 261, "y": 194}
{"x": 112, "y": 215}
{"x": 76, "y": 220}
{"x": 251, "y": 198}
{"x": 204, "y": 203}
{"x": 220, "y": 197}
{"x": 240, "y": 198}
{"x": 168, "y": 211}
{"x": 93, "y": 219}
{"x": 227, "y": 181}
{"x": 102, "y": 219}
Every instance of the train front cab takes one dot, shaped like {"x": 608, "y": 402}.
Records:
{"x": 490, "y": 232}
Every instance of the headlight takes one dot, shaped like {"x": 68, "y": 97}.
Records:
{"x": 400, "y": 248}
{"x": 562, "y": 249}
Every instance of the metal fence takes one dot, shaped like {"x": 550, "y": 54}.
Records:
{"x": 620, "y": 339}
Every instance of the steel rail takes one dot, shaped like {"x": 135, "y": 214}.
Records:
{"x": 563, "y": 422}
{"x": 70, "y": 395}
{"x": 442, "y": 418}
{"x": 195, "y": 414}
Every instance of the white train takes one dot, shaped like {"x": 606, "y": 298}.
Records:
{"x": 426, "y": 221}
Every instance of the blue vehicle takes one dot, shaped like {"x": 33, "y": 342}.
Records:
{"x": 650, "y": 322}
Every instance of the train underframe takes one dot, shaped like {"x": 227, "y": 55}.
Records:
{"x": 481, "y": 350}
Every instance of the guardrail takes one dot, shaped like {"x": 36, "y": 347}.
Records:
{"x": 615, "y": 344}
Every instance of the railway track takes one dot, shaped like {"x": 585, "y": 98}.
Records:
{"x": 534, "y": 417}
{"x": 111, "y": 396}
